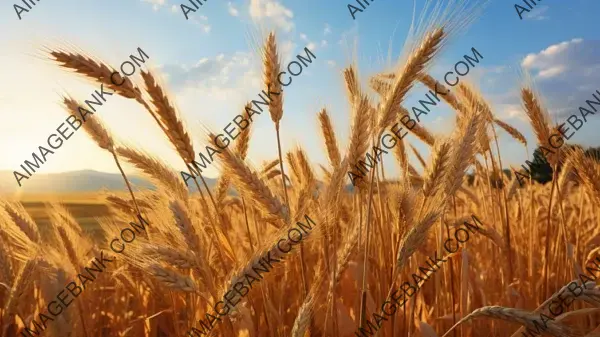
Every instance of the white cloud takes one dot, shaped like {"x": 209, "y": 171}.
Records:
{"x": 273, "y": 12}
{"x": 232, "y": 10}
{"x": 323, "y": 43}
{"x": 551, "y": 72}
{"x": 510, "y": 111}
{"x": 156, "y": 4}
{"x": 496, "y": 69}
{"x": 310, "y": 44}
{"x": 558, "y": 48}
{"x": 196, "y": 20}
{"x": 331, "y": 63}
{"x": 205, "y": 72}
{"x": 538, "y": 13}
{"x": 327, "y": 29}
{"x": 553, "y": 60}
{"x": 193, "y": 15}
{"x": 565, "y": 74}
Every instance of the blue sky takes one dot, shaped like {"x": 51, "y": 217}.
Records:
{"x": 211, "y": 66}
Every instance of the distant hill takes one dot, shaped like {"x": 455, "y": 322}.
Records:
{"x": 86, "y": 181}
{"x": 75, "y": 181}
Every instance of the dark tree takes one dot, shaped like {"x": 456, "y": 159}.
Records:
{"x": 470, "y": 179}
{"x": 593, "y": 152}
{"x": 540, "y": 169}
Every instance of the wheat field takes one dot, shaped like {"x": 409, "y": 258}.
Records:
{"x": 365, "y": 241}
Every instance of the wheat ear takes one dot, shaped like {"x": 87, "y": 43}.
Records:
{"x": 511, "y": 131}
{"x": 22, "y": 219}
{"x": 414, "y": 66}
{"x": 587, "y": 170}
{"x": 195, "y": 241}
{"x": 243, "y": 142}
{"x": 463, "y": 154}
{"x": 539, "y": 119}
{"x": 95, "y": 70}
{"x": 271, "y": 67}
{"x": 6, "y": 269}
{"x": 293, "y": 164}
{"x": 184, "y": 224}
{"x": 359, "y": 135}
{"x": 123, "y": 205}
{"x": 172, "y": 279}
{"x": 99, "y": 71}
{"x": 304, "y": 315}
{"x": 435, "y": 172}
{"x": 401, "y": 156}
{"x": 415, "y": 237}
{"x": 173, "y": 126}
{"x": 269, "y": 248}
{"x": 241, "y": 148}
{"x": 168, "y": 119}
{"x": 250, "y": 184}
{"x": 156, "y": 170}
{"x": 101, "y": 136}
{"x": 19, "y": 285}
{"x": 475, "y": 100}
{"x": 305, "y": 168}
{"x": 352, "y": 84}
{"x": 333, "y": 152}
{"x": 522, "y": 317}
{"x": 269, "y": 166}
{"x": 92, "y": 125}
{"x": 567, "y": 296}
{"x": 382, "y": 87}
{"x": 175, "y": 257}
{"x": 449, "y": 97}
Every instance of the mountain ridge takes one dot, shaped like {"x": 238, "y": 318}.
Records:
{"x": 77, "y": 181}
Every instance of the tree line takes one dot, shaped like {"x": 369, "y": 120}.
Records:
{"x": 540, "y": 170}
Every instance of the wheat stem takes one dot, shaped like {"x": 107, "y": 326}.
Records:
{"x": 126, "y": 182}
